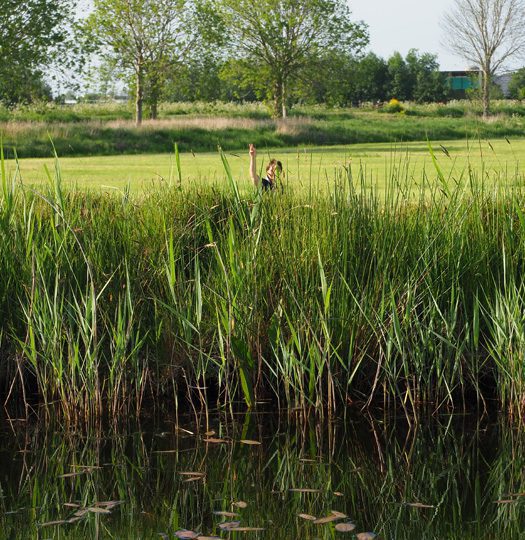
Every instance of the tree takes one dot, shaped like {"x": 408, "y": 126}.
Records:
{"x": 517, "y": 84}
{"x": 427, "y": 83}
{"x": 284, "y": 35}
{"x": 32, "y": 36}
{"x": 146, "y": 37}
{"x": 401, "y": 80}
{"x": 486, "y": 33}
{"x": 371, "y": 79}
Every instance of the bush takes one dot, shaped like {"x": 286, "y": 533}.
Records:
{"x": 394, "y": 106}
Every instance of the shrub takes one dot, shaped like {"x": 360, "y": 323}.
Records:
{"x": 394, "y": 106}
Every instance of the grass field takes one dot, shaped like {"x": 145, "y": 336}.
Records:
{"x": 377, "y": 161}
{"x": 100, "y": 130}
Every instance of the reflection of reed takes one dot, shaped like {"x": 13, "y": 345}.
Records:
{"x": 433, "y": 480}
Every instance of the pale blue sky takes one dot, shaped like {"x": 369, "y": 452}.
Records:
{"x": 399, "y": 25}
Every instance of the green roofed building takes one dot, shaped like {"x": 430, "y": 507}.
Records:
{"x": 460, "y": 81}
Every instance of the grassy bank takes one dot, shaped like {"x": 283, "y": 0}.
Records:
{"x": 87, "y": 130}
{"x": 411, "y": 161}
{"x": 305, "y": 300}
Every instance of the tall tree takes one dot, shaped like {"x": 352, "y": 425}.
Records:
{"x": 32, "y": 35}
{"x": 401, "y": 80}
{"x": 146, "y": 37}
{"x": 486, "y": 33}
{"x": 285, "y": 34}
{"x": 428, "y": 84}
{"x": 517, "y": 84}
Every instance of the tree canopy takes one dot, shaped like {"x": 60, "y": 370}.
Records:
{"x": 32, "y": 36}
{"x": 284, "y": 36}
{"x": 146, "y": 37}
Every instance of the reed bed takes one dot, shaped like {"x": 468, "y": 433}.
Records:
{"x": 412, "y": 297}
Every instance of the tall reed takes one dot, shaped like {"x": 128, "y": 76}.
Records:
{"x": 411, "y": 296}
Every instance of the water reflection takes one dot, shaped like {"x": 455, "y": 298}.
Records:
{"x": 450, "y": 477}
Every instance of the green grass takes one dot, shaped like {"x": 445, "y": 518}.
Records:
{"x": 305, "y": 167}
{"x": 109, "y": 130}
{"x": 403, "y": 294}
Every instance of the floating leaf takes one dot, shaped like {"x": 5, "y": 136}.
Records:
{"x": 308, "y": 517}
{"x": 109, "y": 504}
{"x": 366, "y": 536}
{"x": 225, "y": 514}
{"x": 98, "y": 510}
{"x": 345, "y": 527}
{"x": 209, "y": 433}
{"x": 185, "y": 534}
{"x": 214, "y": 440}
{"x": 326, "y": 519}
{"x": 304, "y": 490}
{"x": 240, "y": 504}
{"x": 185, "y": 430}
{"x": 248, "y": 441}
{"x": 339, "y": 515}
{"x": 227, "y": 525}
{"x": 248, "y": 529}
{"x": 51, "y": 523}
{"x": 72, "y": 474}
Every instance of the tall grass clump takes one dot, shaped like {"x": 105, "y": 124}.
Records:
{"x": 409, "y": 297}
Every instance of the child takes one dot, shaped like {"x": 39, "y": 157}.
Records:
{"x": 273, "y": 169}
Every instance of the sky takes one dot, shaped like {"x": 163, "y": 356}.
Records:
{"x": 401, "y": 25}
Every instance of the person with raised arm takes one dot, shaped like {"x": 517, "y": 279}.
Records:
{"x": 274, "y": 170}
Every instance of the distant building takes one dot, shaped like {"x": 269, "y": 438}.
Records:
{"x": 461, "y": 81}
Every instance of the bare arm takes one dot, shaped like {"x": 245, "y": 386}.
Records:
{"x": 253, "y": 166}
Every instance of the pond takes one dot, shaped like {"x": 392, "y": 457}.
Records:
{"x": 264, "y": 476}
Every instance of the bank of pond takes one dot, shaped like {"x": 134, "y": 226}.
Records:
{"x": 412, "y": 298}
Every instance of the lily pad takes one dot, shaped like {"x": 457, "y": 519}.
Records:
{"x": 345, "y": 527}
{"x": 228, "y": 525}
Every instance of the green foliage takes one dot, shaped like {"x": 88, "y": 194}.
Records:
{"x": 146, "y": 38}
{"x": 285, "y": 36}
{"x": 517, "y": 84}
{"x": 33, "y": 34}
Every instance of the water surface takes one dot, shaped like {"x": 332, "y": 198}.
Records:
{"x": 445, "y": 477}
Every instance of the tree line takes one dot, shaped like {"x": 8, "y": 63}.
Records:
{"x": 281, "y": 51}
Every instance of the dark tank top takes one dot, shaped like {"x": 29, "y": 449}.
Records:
{"x": 267, "y": 184}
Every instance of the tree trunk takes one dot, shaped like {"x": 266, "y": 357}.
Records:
{"x": 277, "y": 99}
{"x": 485, "y": 94}
{"x": 283, "y": 100}
{"x": 139, "y": 95}
{"x": 154, "y": 111}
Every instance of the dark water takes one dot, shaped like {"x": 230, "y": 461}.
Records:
{"x": 446, "y": 477}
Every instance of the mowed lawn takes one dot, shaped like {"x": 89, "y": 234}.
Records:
{"x": 312, "y": 169}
